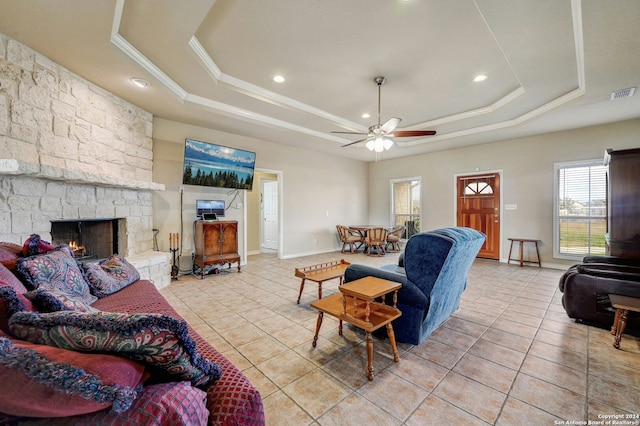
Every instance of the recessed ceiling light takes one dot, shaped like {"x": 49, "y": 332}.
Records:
{"x": 479, "y": 78}
{"x": 140, "y": 82}
{"x": 278, "y": 79}
{"x": 365, "y": 115}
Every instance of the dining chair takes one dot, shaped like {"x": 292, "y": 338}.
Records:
{"x": 349, "y": 237}
{"x": 376, "y": 238}
{"x": 393, "y": 238}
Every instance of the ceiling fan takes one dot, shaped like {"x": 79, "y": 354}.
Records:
{"x": 379, "y": 136}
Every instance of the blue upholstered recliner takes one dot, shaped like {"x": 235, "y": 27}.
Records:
{"x": 433, "y": 272}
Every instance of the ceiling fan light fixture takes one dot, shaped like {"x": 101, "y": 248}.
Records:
{"x": 378, "y": 144}
{"x": 376, "y": 140}
{"x": 371, "y": 145}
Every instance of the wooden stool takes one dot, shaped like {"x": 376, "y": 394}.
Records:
{"x": 320, "y": 273}
{"x": 522, "y": 241}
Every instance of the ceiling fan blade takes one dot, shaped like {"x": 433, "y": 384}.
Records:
{"x": 351, "y": 133}
{"x": 412, "y": 133}
{"x": 353, "y": 143}
{"x": 390, "y": 124}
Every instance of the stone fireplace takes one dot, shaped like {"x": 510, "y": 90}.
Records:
{"x": 62, "y": 212}
{"x": 72, "y": 155}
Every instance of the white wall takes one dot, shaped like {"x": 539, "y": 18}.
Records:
{"x": 527, "y": 180}
{"x": 353, "y": 192}
{"x": 319, "y": 190}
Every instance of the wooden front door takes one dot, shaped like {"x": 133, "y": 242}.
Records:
{"x": 479, "y": 208}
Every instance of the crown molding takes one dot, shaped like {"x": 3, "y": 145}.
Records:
{"x": 268, "y": 96}
{"x": 262, "y": 94}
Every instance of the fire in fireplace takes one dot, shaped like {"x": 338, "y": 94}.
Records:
{"x": 78, "y": 250}
{"x": 90, "y": 239}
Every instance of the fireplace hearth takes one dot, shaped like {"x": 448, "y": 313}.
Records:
{"x": 90, "y": 239}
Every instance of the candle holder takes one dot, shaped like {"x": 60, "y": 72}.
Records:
{"x": 174, "y": 246}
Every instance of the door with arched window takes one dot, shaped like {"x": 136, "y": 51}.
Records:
{"x": 479, "y": 208}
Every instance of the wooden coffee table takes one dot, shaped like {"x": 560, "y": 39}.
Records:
{"x": 356, "y": 305}
{"x": 320, "y": 273}
{"x": 623, "y": 305}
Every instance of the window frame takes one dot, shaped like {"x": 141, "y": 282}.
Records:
{"x": 556, "y": 203}
{"x": 392, "y": 215}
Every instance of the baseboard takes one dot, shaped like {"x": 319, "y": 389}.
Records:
{"x": 293, "y": 256}
{"x": 544, "y": 264}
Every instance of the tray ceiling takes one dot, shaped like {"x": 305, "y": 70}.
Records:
{"x": 550, "y": 65}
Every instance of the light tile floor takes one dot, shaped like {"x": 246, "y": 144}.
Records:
{"x": 508, "y": 356}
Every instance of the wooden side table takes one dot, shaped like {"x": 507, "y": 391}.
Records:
{"x": 623, "y": 305}
{"x": 320, "y": 273}
{"x": 356, "y": 305}
{"x": 521, "y": 259}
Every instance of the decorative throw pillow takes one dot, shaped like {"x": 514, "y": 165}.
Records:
{"x": 58, "y": 270}
{"x": 52, "y": 300}
{"x": 13, "y": 247}
{"x": 8, "y": 257}
{"x": 110, "y": 275}
{"x": 35, "y": 245}
{"x": 10, "y": 303}
{"x": 45, "y": 381}
{"x": 161, "y": 342}
{"x": 12, "y": 297}
{"x": 66, "y": 248}
{"x": 160, "y": 404}
{"x": 7, "y": 277}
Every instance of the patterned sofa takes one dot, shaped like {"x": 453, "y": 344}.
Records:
{"x": 124, "y": 358}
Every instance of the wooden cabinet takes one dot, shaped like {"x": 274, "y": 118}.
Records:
{"x": 623, "y": 202}
{"x": 216, "y": 243}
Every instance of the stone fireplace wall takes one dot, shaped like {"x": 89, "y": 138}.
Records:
{"x": 71, "y": 150}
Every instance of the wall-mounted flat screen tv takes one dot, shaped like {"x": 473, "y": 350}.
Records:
{"x": 210, "y": 206}
{"x": 208, "y": 164}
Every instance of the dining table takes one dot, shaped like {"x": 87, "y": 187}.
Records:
{"x": 362, "y": 230}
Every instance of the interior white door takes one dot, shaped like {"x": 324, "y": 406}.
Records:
{"x": 270, "y": 214}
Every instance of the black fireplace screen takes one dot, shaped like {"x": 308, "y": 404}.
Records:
{"x": 90, "y": 239}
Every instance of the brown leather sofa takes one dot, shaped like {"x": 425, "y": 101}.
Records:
{"x": 586, "y": 288}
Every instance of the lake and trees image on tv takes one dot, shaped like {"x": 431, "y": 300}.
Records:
{"x": 209, "y": 164}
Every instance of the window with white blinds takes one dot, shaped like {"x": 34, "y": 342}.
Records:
{"x": 580, "y": 216}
